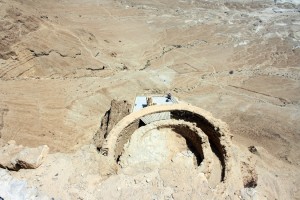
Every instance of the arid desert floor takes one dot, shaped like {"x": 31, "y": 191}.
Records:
{"x": 62, "y": 62}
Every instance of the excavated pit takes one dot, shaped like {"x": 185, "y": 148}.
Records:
{"x": 193, "y": 135}
{"x": 160, "y": 143}
{"x": 188, "y": 131}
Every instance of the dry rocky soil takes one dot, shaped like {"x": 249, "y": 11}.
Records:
{"x": 62, "y": 62}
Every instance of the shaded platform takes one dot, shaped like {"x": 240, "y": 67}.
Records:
{"x": 143, "y": 101}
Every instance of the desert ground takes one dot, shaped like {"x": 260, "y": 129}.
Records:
{"x": 62, "y": 62}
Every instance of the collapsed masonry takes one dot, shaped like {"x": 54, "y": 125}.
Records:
{"x": 208, "y": 137}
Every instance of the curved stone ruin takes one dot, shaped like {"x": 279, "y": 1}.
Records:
{"x": 207, "y": 137}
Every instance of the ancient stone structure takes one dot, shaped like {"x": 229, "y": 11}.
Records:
{"x": 118, "y": 110}
{"x": 208, "y": 136}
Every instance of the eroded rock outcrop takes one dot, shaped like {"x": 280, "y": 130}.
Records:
{"x": 14, "y": 24}
{"x": 14, "y": 157}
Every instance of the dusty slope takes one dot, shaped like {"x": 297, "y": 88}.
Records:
{"x": 61, "y": 63}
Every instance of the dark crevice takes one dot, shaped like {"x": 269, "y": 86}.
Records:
{"x": 118, "y": 158}
{"x": 106, "y": 116}
{"x": 192, "y": 148}
{"x": 214, "y": 150}
{"x": 141, "y": 123}
{"x": 193, "y": 141}
{"x": 251, "y": 184}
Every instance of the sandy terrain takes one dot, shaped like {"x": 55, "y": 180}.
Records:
{"x": 63, "y": 61}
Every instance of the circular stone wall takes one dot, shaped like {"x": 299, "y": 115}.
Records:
{"x": 193, "y": 136}
{"x": 216, "y": 131}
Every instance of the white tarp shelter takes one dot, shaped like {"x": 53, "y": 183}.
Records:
{"x": 141, "y": 102}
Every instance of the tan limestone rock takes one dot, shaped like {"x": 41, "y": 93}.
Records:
{"x": 14, "y": 157}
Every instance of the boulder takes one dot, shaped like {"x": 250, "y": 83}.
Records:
{"x": 7, "y": 154}
{"x": 31, "y": 158}
{"x": 14, "y": 157}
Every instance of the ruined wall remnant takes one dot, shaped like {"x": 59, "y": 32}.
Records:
{"x": 117, "y": 111}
